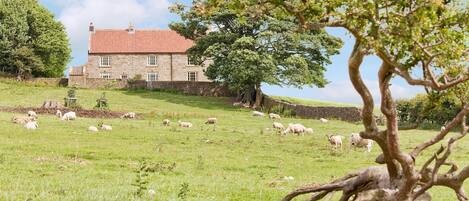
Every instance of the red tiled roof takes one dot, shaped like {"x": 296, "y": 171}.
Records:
{"x": 141, "y": 41}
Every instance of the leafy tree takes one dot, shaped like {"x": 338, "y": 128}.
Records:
{"x": 29, "y": 30}
{"x": 424, "y": 36}
{"x": 245, "y": 53}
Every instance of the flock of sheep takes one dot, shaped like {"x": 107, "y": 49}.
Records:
{"x": 30, "y": 122}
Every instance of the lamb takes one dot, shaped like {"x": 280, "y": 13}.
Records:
{"x": 92, "y": 129}
{"x": 67, "y": 116}
{"x": 335, "y": 140}
{"x": 211, "y": 120}
{"x": 237, "y": 104}
{"x": 357, "y": 141}
{"x": 105, "y": 127}
{"x": 278, "y": 126}
{"x": 295, "y": 128}
{"x": 323, "y": 120}
{"x": 274, "y": 116}
{"x": 32, "y": 125}
{"x": 309, "y": 131}
{"x": 258, "y": 114}
{"x": 185, "y": 124}
{"x": 32, "y": 114}
{"x": 129, "y": 115}
{"x": 22, "y": 119}
{"x": 166, "y": 122}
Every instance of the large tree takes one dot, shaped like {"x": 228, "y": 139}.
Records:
{"x": 422, "y": 41}
{"x": 32, "y": 42}
{"x": 260, "y": 49}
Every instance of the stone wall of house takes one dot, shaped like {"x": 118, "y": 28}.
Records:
{"x": 350, "y": 114}
{"x": 131, "y": 65}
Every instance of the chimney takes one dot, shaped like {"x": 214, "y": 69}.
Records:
{"x": 131, "y": 29}
{"x": 91, "y": 28}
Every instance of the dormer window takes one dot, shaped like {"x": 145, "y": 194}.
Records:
{"x": 190, "y": 61}
{"x": 152, "y": 60}
{"x": 105, "y": 61}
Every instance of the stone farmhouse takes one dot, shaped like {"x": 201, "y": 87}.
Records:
{"x": 151, "y": 55}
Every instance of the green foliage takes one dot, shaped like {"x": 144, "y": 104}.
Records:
{"x": 102, "y": 102}
{"x": 32, "y": 42}
{"x": 71, "y": 101}
{"x": 141, "y": 179}
{"x": 183, "y": 191}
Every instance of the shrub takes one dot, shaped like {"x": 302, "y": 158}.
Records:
{"x": 71, "y": 101}
{"x": 102, "y": 103}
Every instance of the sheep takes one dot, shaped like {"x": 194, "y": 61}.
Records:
{"x": 274, "y": 116}
{"x": 443, "y": 128}
{"x": 32, "y": 114}
{"x": 323, "y": 120}
{"x": 278, "y": 126}
{"x": 92, "y": 129}
{"x": 335, "y": 140}
{"x": 309, "y": 131}
{"x": 211, "y": 120}
{"x": 105, "y": 127}
{"x": 129, "y": 115}
{"x": 357, "y": 141}
{"x": 58, "y": 114}
{"x": 295, "y": 128}
{"x": 258, "y": 114}
{"x": 32, "y": 125}
{"x": 185, "y": 124}
{"x": 22, "y": 119}
{"x": 237, "y": 104}
{"x": 166, "y": 122}
{"x": 68, "y": 116}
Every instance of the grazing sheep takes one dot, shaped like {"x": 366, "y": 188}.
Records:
{"x": 211, "y": 120}
{"x": 129, "y": 115}
{"x": 58, "y": 114}
{"x": 258, "y": 114}
{"x": 295, "y": 128}
{"x": 185, "y": 124}
{"x": 309, "y": 131}
{"x": 32, "y": 125}
{"x": 32, "y": 114}
{"x": 274, "y": 116}
{"x": 278, "y": 126}
{"x": 323, "y": 120}
{"x": 166, "y": 122}
{"x": 357, "y": 141}
{"x": 335, "y": 140}
{"x": 92, "y": 129}
{"x": 105, "y": 127}
{"x": 68, "y": 116}
{"x": 21, "y": 119}
{"x": 443, "y": 128}
{"x": 236, "y": 104}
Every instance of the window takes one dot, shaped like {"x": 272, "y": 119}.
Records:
{"x": 190, "y": 61}
{"x": 151, "y": 61}
{"x": 192, "y": 76}
{"x": 124, "y": 77}
{"x": 105, "y": 61}
{"x": 105, "y": 75}
{"x": 151, "y": 77}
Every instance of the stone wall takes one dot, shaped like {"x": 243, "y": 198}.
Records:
{"x": 193, "y": 88}
{"x": 350, "y": 114}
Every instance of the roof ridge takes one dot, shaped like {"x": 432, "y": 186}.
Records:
{"x": 147, "y": 29}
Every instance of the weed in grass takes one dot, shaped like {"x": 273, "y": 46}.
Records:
{"x": 183, "y": 191}
{"x": 141, "y": 179}
{"x": 200, "y": 162}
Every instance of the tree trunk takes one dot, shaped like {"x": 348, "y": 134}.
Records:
{"x": 259, "y": 96}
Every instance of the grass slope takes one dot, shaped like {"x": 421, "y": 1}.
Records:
{"x": 239, "y": 161}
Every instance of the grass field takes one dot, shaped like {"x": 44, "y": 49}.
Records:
{"x": 239, "y": 161}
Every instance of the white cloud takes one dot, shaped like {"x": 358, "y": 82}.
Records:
{"x": 77, "y": 14}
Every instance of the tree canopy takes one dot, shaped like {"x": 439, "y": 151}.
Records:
{"x": 32, "y": 42}
{"x": 245, "y": 52}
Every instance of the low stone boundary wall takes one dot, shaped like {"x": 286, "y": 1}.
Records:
{"x": 193, "y": 88}
{"x": 350, "y": 114}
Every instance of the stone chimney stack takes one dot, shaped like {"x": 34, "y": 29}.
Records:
{"x": 131, "y": 28}
{"x": 91, "y": 28}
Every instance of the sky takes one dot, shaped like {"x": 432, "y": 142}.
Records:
{"x": 77, "y": 14}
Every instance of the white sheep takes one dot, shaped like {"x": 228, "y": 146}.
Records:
{"x": 295, "y": 128}
{"x": 58, "y": 114}
{"x": 443, "y": 128}
{"x": 274, "y": 116}
{"x": 357, "y": 141}
{"x": 237, "y": 104}
{"x": 323, "y": 120}
{"x": 32, "y": 125}
{"x": 105, "y": 127}
{"x": 67, "y": 116}
{"x": 211, "y": 120}
{"x": 258, "y": 114}
{"x": 22, "y": 119}
{"x": 129, "y": 115}
{"x": 335, "y": 140}
{"x": 32, "y": 114}
{"x": 92, "y": 129}
{"x": 166, "y": 122}
{"x": 185, "y": 124}
{"x": 309, "y": 131}
{"x": 278, "y": 126}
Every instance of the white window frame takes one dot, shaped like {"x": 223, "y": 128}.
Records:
{"x": 196, "y": 76}
{"x": 102, "y": 59}
{"x": 151, "y": 80}
{"x": 105, "y": 75}
{"x": 149, "y": 59}
{"x": 189, "y": 62}
{"x": 126, "y": 77}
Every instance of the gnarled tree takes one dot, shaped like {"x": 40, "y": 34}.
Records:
{"x": 422, "y": 41}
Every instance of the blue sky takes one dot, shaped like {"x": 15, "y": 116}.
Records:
{"x": 77, "y": 14}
